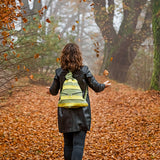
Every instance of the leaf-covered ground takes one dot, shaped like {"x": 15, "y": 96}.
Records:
{"x": 125, "y": 125}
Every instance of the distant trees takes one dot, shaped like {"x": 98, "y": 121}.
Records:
{"x": 121, "y": 47}
{"x": 155, "y": 82}
{"x": 10, "y": 11}
{"x": 39, "y": 48}
{"x": 29, "y": 43}
{"x": 77, "y": 20}
{"x": 30, "y": 40}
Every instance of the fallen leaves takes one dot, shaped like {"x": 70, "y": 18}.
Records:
{"x": 59, "y": 37}
{"x": 22, "y": 4}
{"x": 92, "y": 4}
{"x": 105, "y": 73}
{"x": 25, "y": 20}
{"x": 39, "y": 26}
{"x": 18, "y": 55}
{"x": 57, "y": 59}
{"x": 73, "y": 28}
{"x": 96, "y": 44}
{"x": 31, "y": 76}
{"x": 30, "y": 129}
{"x": 18, "y": 67}
{"x": 48, "y": 20}
{"x": 5, "y": 55}
{"x": 125, "y": 125}
{"x": 5, "y": 34}
{"x": 4, "y": 42}
{"x": 36, "y": 56}
{"x": 16, "y": 79}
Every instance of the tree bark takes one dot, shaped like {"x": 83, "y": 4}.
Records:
{"x": 121, "y": 46}
{"x": 155, "y": 81}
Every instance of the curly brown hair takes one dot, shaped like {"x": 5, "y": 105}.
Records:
{"x": 71, "y": 57}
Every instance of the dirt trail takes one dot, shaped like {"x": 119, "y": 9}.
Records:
{"x": 125, "y": 125}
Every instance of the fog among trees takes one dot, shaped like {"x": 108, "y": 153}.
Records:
{"x": 113, "y": 35}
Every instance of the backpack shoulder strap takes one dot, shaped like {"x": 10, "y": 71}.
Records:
{"x": 85, "y": 95}
{"x": 69, "y": 75}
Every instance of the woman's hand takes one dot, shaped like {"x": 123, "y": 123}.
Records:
{"x": 107, "y": 84}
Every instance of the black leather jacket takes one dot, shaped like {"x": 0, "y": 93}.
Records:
{"x": 72, "y": 120}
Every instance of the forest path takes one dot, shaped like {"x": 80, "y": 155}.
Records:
{"x": 125, "y": 125}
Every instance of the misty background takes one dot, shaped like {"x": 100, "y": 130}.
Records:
{"x": 116, "y": 36}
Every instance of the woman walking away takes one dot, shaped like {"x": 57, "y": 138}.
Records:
{"x": 74, "y": 116}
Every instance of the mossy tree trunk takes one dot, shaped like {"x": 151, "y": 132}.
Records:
{"x": 122, "y": 46}
{"x": 155, "y": 81}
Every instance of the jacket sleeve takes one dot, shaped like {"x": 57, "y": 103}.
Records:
{"x": 92, "y": 83}
{"x": 55, "y": 85}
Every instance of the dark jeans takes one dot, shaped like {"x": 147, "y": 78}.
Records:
{"x": 74, "y": 145}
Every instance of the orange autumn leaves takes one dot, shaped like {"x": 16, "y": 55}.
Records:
{"x": 47, "y": 20}
{"x": 97, "y": 50}
{"x": 125, "y": 125}
{"x": 41, "y": 11}
{"x": 23, "y": 67}
{"x": 5, "y": 35}
{"x": 5, "y": 55}
{"x": 36, "y": 55}
{"x": 74, "y": 26}
{"x": 10, "y": 11}
{"x": 6, "y": 10}
{"x": 39, "y": 26}
{"x": 96, "y": 45}
{"x": 82, "y": 0}
{"x": 26, "y": 69}
{"x": 105, "y": 73}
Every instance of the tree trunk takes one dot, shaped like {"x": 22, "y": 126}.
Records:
{"x": 104, "y": 59}
{"x": 119, "y": 67}
{"x": 121, "y": 46}
{"x": 155, "y": 81}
